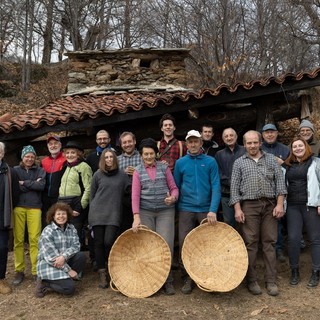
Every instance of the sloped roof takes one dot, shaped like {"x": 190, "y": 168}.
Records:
{"x": 78, "y": 108}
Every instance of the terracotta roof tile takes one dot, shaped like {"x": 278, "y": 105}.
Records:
{"x": 77, "y": 108}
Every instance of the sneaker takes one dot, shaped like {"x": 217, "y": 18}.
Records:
{"x": 254, "y": 288}
{"x": 4, "y": 287}
{"x": 169, "y": 289}
{"x": 280, "y": 256}
{"x": 188, "y": 286}
{"x": 41, "y": 288}
{"x": 272, "y": 289}
{"x": 19, "y": 277}
{"x": 314, "y": 280}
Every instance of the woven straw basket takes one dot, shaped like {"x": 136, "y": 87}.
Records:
{"x": 215, "y": 257}
{"x": 139, "y": 263}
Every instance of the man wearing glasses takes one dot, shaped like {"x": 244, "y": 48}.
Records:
{"x": 103, "y": 141}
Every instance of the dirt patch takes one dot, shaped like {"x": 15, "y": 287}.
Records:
{"x": 91, "y": 302}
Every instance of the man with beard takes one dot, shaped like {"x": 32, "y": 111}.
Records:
{"x": 128, "y": 160}
{"x": 103, "y": 141}
{"x": 308, "y": 132}
{"x": 257, "y": 194}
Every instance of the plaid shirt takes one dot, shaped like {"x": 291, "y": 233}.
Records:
{"x": 132, "y": 160}
{"x": 53, "y": 243}
{"x": 251, "y": 180}
{"x": 173, "y": 154}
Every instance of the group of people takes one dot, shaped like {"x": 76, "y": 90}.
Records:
{"x": 170, "y": 186}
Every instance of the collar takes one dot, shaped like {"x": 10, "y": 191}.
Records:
{"x": 154, "y": 165}
{"x": 135, "y": 152}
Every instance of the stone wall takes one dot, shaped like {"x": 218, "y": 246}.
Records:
{"x": 127, "y": 69}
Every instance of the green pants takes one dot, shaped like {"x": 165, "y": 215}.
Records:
{"x": 31, "y": 218}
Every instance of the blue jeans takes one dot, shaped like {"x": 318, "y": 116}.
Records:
{"x": 4, "y": 243}
{"x": 297, "y": 217}
{"x": 228, "y": 212}
{"x": 161, "y": 222}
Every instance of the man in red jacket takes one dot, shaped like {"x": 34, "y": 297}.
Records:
{"x": 53, "y": 166}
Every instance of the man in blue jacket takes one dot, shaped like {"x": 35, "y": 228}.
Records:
{"x": 197, "y": 178}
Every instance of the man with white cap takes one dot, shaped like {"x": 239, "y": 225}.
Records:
{"x": 197, "y": 177}
{"x": 308, "y": 132}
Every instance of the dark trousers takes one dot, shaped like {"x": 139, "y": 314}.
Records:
{"x": 4, "y": 248}
{"x": 187, "y": 222}
{"x": 260, "y": 225}
{"x": 104, "y": 238}
{"x": 67, "y": 286}
{"x": 299, "y": 215}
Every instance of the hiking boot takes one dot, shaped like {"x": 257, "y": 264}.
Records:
{"x": 314, "y": 280}
{"x": 295, "y": 277}
{"x": 254, "y": 288}
{"x": 169, "y": 289}
{"x": 41, "y": 288}
{"x": 280, "y": 256}
{"x": 103, "y": 279}
{"x": 4, "y": 287}
{"x": 272, "y": 289}
{"x": 187, "y": 286}
{"x": 19, "y": 277}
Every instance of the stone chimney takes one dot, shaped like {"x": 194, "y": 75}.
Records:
{"x": 107, "y": 71}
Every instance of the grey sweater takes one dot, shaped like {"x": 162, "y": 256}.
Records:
{"x": 106, "y": 195}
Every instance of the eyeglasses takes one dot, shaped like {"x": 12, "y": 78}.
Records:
{"x": 102, "y": 139}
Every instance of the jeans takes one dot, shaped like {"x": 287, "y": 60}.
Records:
{"x": 66, "y": 286}
{"x": 21, "y": 217}
{"x": 228, "y": 212}
{"x": 4, "y": 242}
{"x": 161, "y": 222}
{"x": 104, "y": 238}
{"x": 260, "y": 224}
{"x": 187, "y": 222}
{"x": 299, "y": 215}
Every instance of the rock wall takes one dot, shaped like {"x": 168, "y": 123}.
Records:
{"x": 129, "y": 69}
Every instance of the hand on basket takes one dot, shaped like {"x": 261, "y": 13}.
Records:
{"x": 136, "y": 222}
{"x": 212, "y": 218}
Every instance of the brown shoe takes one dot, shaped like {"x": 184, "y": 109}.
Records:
{"x": 4, "y": 287}
{"x": 103, "y": 276}
{"x": 41, "y": 288}
{"x": 19, "y": 277}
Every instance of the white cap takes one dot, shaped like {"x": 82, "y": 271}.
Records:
{"x": 193, "y": 133}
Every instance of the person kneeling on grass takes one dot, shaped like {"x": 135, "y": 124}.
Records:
{"x": 60, "y": 260}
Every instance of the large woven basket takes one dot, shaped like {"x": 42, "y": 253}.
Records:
{"x": 215, "y": 257}
{"x": 139, "y": 263}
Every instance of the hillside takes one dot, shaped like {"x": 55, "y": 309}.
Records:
{"x": 47, "y": 85}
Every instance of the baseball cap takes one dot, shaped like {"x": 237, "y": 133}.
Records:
{"x": 193, "y": 133}
{"x": 54, "y": 138}
{"x": 269, "y": 126}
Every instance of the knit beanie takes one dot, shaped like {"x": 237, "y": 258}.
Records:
{"x": 306, "y": 124}
{"x": 27, "y": 149}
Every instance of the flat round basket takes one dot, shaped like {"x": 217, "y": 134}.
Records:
{"x": 139, "y": 263}
{"x": 215, "y": 257}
